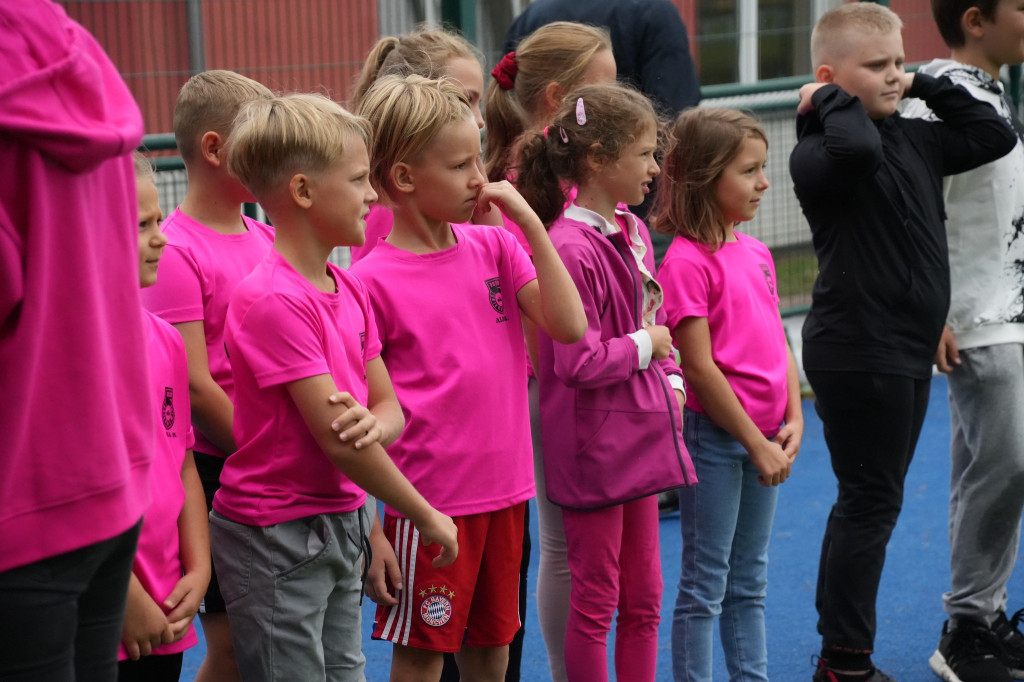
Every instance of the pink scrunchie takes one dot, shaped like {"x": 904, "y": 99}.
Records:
{"x": 505, "y": 71}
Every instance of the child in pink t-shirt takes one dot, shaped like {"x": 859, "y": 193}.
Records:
{"x": 448, "y": 302}
{"x": 172, "y": 563}
{"x": 431, "y": 53}
{"x": 210, "y": 249}
{"x": 288, "y": 525}
{"x": 743, "y": 421}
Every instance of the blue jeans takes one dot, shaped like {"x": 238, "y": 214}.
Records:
{"x": 726, "y": 521}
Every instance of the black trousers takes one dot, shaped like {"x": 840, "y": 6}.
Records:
{"x": 871, "y": 423}
{"x": 156, "y": 668}
{"x": 60, "y": 618}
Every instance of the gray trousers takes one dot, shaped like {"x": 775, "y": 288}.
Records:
{"x": 292, "y": 594}
{"x": 986, "y": 405}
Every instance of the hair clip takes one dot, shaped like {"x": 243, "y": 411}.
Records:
{"x": 505, "y": 71}
{"x": 564, "y": 135}
{"x": 581, "y": 113}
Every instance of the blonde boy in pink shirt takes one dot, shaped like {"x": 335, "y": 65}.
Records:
{"x": 210, "y": 248}
{"x": 288, "y": 524}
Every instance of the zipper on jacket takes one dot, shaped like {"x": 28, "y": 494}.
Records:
{"x": 666, "y": 389}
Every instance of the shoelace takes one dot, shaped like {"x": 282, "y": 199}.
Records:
{"x": 820, "y": 665}
{"x": 978, "y": 642}
{"x": 1014, "y": 621}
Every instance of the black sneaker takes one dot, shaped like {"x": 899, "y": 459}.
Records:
{"x": 968, "y": 653}
{"x": 823, "y": 674}
{"x": 1012, "y": 642}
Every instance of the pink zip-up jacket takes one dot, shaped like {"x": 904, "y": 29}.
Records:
{"x": 77, "y": 424}
{"x": 611, "y": 432}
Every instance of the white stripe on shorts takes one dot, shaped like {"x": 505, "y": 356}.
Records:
{"x": 399, "y": 622}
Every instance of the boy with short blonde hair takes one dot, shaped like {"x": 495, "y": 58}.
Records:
{"x": 981, "y": 349}
{"x": 211, "y": 247}
{"x": 869, "y": 183}
{"x": 291, "y": 503}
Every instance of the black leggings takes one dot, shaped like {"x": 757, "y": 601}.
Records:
{"x": 872, "y": 422}
{"x": 157, "y": 668}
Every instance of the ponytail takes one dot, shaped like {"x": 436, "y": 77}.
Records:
{"x": 538, "y": 180}
{"x": 372, "y": 67}
{"x": 559, "y": 52}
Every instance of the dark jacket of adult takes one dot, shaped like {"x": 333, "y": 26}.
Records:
{"x": 649, "y": 41}
{"x": 872, "y": 193}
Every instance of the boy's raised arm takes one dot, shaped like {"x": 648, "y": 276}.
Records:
{"x": 838, "y": 141}
{"x": 971, "y": 132}
{"x": 552, "y": 300}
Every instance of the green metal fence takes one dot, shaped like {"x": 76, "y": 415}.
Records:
{"x": 779, "y": 224}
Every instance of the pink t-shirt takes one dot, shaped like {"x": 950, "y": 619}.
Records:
{"x": 157, "y": 560}
{"x": 198, "y": 271}
{"x": 453, "y": 343}
{"x": 378, "y": 226}
{"x": 735, "y": 288}
{"x": 280, "y": 329}
{"x": 380, "y": 221}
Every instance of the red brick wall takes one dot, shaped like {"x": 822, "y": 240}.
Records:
{"x": 289, "y": 45}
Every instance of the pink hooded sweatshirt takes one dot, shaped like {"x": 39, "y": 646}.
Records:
{"x": 76, "y": 420}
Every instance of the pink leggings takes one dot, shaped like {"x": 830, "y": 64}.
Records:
{"x": 615, "y": 564}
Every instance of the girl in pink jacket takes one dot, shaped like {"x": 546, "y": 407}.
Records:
{"x": 610, "y": 404}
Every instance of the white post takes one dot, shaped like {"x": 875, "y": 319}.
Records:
{"x": 748, "y": 61}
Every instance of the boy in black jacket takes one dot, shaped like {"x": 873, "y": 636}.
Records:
{"x": 870, "y": 185}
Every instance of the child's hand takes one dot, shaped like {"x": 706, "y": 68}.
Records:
{"x": 357, "y": 421}
{"x": 947, "y": 357}
{"x": 661, "y": 341}
{"x": 789, "y": 437}
{"x": 182, "y": 604}
{"x": 383, "y": 570}
{"x": 908, "y": 81}
{"x": 772, "y": 464}
{"x": 806, "y": 92}
{"x": 511, "y": 203}
{"x": 145, "y": 625}
{"x": 442, "y": 530}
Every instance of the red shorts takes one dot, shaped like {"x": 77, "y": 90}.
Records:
{"x": 475, "y": 601}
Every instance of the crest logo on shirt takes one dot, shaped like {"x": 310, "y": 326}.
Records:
{"x": 167, "y": 409}
{"x": 494, "y": 295}
{"x": 768, "y": 278}
{"x": 436, "y": 610}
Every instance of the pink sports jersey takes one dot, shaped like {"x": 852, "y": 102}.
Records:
{"x": 380, "y": 221}
{"x": 280, "y": 329}
{"x": 157, "y": 561}
{"x": 198, "y": 271}
{"x": 453, "y": 343}
{"x": 76, "y": 427}
{"x": 378, "y": 226}
{"x": 735, "y": 288}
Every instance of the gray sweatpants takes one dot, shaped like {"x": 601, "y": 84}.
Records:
{"x": 292, "y": 594}
{"x": 986, "y": 405}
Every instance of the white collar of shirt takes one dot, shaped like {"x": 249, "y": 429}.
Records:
{"x": 653, "y": 296}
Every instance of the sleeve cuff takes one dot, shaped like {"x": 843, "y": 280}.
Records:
{"x": 644, "y": 347}
{"x": 677, "y": 384}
